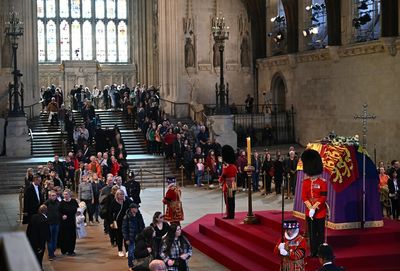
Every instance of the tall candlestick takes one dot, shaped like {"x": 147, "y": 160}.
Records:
{"x": 248, "y": 151}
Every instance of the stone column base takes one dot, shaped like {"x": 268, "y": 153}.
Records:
{"x": 222, "y": 127}
{"x": 17, "y": 138}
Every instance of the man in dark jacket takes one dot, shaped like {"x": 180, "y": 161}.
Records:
{"x": 132, "y": 225}
{"x": 326, "y": 257}
{"x": 33, "y": 197}
{"x": 38, "y": 232}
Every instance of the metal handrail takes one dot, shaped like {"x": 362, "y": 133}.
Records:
{"x": 174, "y": 106}
{"x": 30, "y": 110}
{"x": 31, "y": 139}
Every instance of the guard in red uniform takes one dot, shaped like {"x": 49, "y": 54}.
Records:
{"x": 314, "y": 192}
{"x": 228, "y": 180}
{"x": 292, "y": 248}
{"x": 174, "y": 213}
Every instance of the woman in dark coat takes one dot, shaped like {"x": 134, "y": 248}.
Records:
{"x": 161, "y": 228}
{"x": 144, "y": 247}
{"x": 67, "y": 236}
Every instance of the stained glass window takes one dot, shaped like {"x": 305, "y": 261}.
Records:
{"x": 100, "y": 42}
{"x": 87, "y": 41}
{"x": 99, "y": 9}
{"x": 82, "y": 30}
{"x": 122, "y": 9}
{"x": 122, "y": 43}
{"x": 64, "y": 41}
{"x": 76, "y": 40}
{"x": 315, "y": 32}
{"x": 50, "y": 8}
{"x": 111, "y": 42}
{"x": 64, "y": 9}
{"x": 51, "y": 41}
{"x": 75, "y": 8}
{"x": 86, "y": 8}
{"x": 40, "y": 8}
{"x": 366, "y": 20}
{"x": 111, "y": 9}
{"x": 41, "y": 44}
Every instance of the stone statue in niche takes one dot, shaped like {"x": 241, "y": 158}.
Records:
{"x": 244, "y": 51}
{"x": 216, "y": 55}
{"x": 189, "y": 53}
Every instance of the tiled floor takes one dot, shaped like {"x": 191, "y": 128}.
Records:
{"x": 196, "y": 203}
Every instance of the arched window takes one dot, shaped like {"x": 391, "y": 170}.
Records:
{"x": 51, "y": 41}
{"x": 315, "y": 30}
{"x": 87, "y": 41}
{"x": 83, "y": 30}
{"x": 41, "y": 44}
{"x": 100, "y": 42}
{"x": 64, "y": 41}
{"x": 122, "y": 42}
{"x": 111, "y": 42}
{"x": 366, "y": 20}
{"x": 279, "y": 30}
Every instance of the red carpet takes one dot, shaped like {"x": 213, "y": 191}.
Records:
{"x": 250, "y": 247}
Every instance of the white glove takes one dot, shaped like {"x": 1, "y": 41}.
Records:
{"x": 281, "y": 246}
{"x": 312, "y": 213}
{"x": 283, "y": 252}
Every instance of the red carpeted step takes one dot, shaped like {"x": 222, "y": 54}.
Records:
{"x": 369, "y": 249}
{"x": 259, "y": 235}
{"x": 230, "y": 257}
{"x": 240, "y": 242}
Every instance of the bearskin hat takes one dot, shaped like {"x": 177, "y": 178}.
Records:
{"x": 228, "y": 154}
{"x": 312, "y": 162}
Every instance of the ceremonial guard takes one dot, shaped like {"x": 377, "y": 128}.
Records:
{"x": 292, "y": 248}
{"x": 228, "y": 180}
{"x": 172, "y": 199}
{"x": 314, "y": 193}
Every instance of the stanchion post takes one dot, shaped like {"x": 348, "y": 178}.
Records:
{"x": 250, "y": 218}
{"x": 141, "y": 177}
{"x": 21, "y": 204}
{"x": 182, "y": 168}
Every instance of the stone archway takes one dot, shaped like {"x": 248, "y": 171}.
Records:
{"x": 278, "y": 89}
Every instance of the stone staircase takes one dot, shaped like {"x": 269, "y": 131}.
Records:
{"x": 47, "y": 140}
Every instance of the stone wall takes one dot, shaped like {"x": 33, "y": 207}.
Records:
{"x": 194, "y": 81}
{"x": 328, "y": 87}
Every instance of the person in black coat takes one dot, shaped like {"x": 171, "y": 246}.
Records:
{"x": 33, "y": 198}
{"x": 278, "y": 176}
{"x": 326, "y": 257}
{"x": 394, "y": 193}
{"x": 67, "y": 236}
{"x": 38, "y": 232}
{"x": 133, "y": 188}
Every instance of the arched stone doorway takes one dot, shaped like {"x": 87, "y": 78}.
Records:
{"x": 278, "y": 89}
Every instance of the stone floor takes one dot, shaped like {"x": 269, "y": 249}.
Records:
{"x": 95, "y": 252}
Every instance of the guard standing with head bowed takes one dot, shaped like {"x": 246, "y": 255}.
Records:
{"x": 228, "y": 180}
{"x": 314, "y": 193}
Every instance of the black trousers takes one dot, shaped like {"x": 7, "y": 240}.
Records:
{"x": 230, "y": 204}
{"x": 316, "y": 231}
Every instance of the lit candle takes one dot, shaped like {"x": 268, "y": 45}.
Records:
{"x": 248, "y": 151}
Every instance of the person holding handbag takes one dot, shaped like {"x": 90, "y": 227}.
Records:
{"x": 116, "y": 214}
{"x": 144, "y": 249}
{"x": 176, "y": 250}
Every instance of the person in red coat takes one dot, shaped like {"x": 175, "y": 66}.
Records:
{"x": 174, "y": 213}
{"x": 228, "y": 180}
{"x": 292, "y": 248}
{"x": 115, "y": 166}
{"x": 314, "y": 192}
